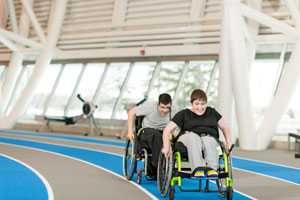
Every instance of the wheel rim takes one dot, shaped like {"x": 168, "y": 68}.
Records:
{"x": 129, "y": 161}
{"x": 229, "y": 193}
{"x": 165, "y": 169}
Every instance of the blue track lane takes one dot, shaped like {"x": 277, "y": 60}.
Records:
{"x": 281, "y": 172}
{"x": 112, "y": 163}
{"x": 289, "y": 174}
{"x": 18, "y": 182}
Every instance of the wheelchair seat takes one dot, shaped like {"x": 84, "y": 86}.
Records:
{"x": 181, "y": 148}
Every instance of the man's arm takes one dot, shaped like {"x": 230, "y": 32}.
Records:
{"x": 226, "y": 131}
{"x": 131, "y": 117}
{"x": 171, "y": 126}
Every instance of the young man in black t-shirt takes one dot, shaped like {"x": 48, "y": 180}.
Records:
{"x": 199, "y": 127}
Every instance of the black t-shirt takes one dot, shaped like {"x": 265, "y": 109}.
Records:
{"x": 207, "y": 123}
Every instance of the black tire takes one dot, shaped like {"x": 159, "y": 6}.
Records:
{"x": 229, "y": 193}
{"x": 129, "y": 160}
{"x": 221, "y": 187}
{"x": 171, "y": 193}
{"x": 139, "y": 177}
{"x": 164, "y": 173}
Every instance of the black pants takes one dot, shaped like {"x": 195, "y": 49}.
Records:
{"x": 151, "y": 139}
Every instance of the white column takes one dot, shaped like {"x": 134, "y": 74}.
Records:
{"x": 15, "y": 64}
{"x": 36, "y": 25}
{"x": 12, "y": 15}
{"x": 3, "y": 13}
{"x": 253, "y": 28}
{"x": 54, "y": 27}
{"x": 240, "y": 79}
{"x": 225, "y": 96}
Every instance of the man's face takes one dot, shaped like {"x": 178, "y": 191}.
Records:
{"x": 164, "y": 109}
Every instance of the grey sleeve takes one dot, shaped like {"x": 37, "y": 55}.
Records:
{"x": 174, "y": 111}
{"x": 145, "y": 108}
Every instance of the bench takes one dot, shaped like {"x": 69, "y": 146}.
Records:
{"x": 66, "y": 120}
{"x": 61, "y": 119}
{"x": 63, "y": 124}
{"x": 297, "y": 143}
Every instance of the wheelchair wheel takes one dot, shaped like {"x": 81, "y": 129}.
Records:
{"x": 129, "y": 160}
{"x": 229, "y": 193}
{"x": 171, "y": 193}
{"x": 164, "y": 173}
{"x": 225, "y": 184}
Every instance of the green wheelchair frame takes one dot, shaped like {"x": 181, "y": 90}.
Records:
{"x": 169, "y": 176}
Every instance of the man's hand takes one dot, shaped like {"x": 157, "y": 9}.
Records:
{"x": 130, "y": 135}
{"x": 166, "y": 151}
{"x": 228, "y": 146}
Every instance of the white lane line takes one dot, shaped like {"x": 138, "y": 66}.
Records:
{"x": 111, "y": 153}
{"x": 63, "y": 140}
{"x": 41, "y": 177}
{"x": 88, "y": 163}
{"x": 57, "y": 134}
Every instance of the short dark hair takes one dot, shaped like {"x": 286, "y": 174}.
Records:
{"x": 198, "y": 94}
{"x": 164, "y": 98}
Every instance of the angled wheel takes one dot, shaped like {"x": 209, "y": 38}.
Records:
{"x": 229, "y": 193}
{"x": 171, "y": 193}
{"x": 129, "y": 160}
{"x": 139, "y": 176}
{"x": 225, "y": 182}
{"x": 164, "y": 173}
{"x": 229, "y": 189}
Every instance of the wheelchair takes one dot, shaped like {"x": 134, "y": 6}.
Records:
{"x": 171, "y": 173}
{"x": 136, "y": 157}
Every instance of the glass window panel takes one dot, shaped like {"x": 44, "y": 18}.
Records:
{"x": 87, "y": 87}
{"x": 64, "y": 90}
{"x": 197, "y": 76}
{"x": 136, "y": 87}
{"x": 111, "y": 89}
{"x": 23, "y": 79}
{"x": 167, "y": 80}
{"x": 294, "y": 103}
{"x": 264, "y": 74}
{"x": 43, "y": 90}
{"x": 2, "y": 72}
{"x": 2, "y": 68}
{"x": 290, "y": 122}
{"x": 212, "y": 92}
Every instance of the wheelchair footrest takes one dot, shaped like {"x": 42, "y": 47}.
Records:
{"x": 202, "y": 172}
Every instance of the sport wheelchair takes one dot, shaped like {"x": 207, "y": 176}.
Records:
{"x": 136, "y": 157}
{"x": 171, "y": 173}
